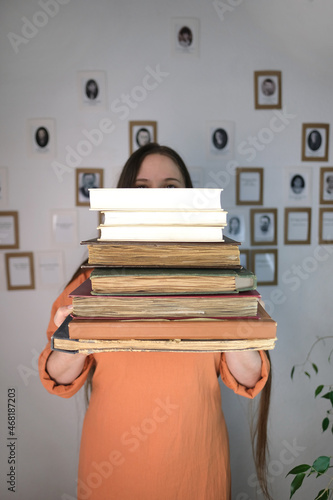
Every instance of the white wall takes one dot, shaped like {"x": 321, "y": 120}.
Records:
{"x": 123, "y": 38}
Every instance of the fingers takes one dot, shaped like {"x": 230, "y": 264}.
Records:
{"x": 62, "y": 314}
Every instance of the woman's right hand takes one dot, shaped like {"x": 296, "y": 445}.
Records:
{"x": 62, "y": 314}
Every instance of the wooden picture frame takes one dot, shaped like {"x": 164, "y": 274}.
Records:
{"x": 264, "y": 264}
{"x": 87, "y": 178}
{"x": 297, "y": 225}
{"x": 9, "y": 230}
{"x": 267, "y": 90}
{"x": 263, "y": 223}
{"x": 141, "y": 133}
{"x": 249, "y": 186}
{"x": 326, "y": 185}
{"x": 20, "y": 271}
{"x": 326, "y": 226}
{"x": 315, "y": 140}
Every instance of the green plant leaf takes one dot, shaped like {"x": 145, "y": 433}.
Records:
{"x": 321, "y": 464}
{"x": 292, "y": 372}
{"x": 315, "y": 367}
{"x": 307, "y": 374}
{"x": 325, "y": 423}
{"x": 323, "y": 495}
{"x": 296, "y": 483}
{"x": 328, "y": 395}
{"x": 318, "y": 390}
{"x": 299, "y": 469}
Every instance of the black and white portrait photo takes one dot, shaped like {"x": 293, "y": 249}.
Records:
{"x": 87, "y": 178}
{"x": 185, "y": 36}
{"x": 315, "y": 141}
{"x": 41, "y": 137}
{"x": 298, "y": 185}
{"x": 326, "y": 185}
{"x": 267, "y": 89}
{"x": 220, "y": 139}
{"x": 92, "y": 89}
{"x": 142, "y": 137}
{"x": 263, "y": 226}
{"x": 236, "y": 225}
{"x": 141, "y": 133}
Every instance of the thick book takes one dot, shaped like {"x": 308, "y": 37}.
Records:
{"x": 165, "y": 217}
{"x": 224, "y": 254}
{"x": 89, "y": 336}
{"x": 161, "y": 233}
{"x": 87, "y": 305}
{"x": 155, "y": 199}
{"x": 162, "y": 281}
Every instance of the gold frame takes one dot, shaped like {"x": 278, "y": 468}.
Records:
{"x": 239, "y": 172}
{"x": 289, "y": 210}
{"x": 255, "y": 211}
{"x": 306, "y": 126}
{"x": 322, "y": 210}
{"x": 14, "y": 214}
{"x": 143, "y": 124}
{"x": 323, "y": 170}
{"x": 29, "y": 255}
{"x": 273, "y": 251}
{"x": 87, "y": 170}
{"x": 257, "y": 74}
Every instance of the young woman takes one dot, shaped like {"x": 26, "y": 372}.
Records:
{"x": 154, "y": 427}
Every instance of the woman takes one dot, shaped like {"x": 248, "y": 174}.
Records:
{"x": 154, "y": 427}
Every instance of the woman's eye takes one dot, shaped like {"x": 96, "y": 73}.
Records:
{"x": 170, "y": 186}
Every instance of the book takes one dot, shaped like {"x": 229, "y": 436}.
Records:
{"x": 161, "y": 233}
{"x": 167, "y": 217}
{"x": 162, "y": 281}
{"x": 85, "y": 304}
{"x": 224, "y": 254}
{"x": 155, "y": 199}
{"x": 203, "y": 335}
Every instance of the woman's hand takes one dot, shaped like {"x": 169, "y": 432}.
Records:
{"x": 62, "y": 314}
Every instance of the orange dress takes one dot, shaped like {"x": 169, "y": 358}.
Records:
{"x": 154, "y": 428}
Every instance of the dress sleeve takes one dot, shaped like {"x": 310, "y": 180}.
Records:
{"x": 232, "y": 383}
{"x": 65, "y": 391}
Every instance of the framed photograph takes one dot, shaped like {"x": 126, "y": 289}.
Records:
{"x": 92, "y": 89}
{"x": 41, "y": 137}
{"x": 264, "y": 264}
{"x": 315, "y": 141}
{"x": 325, "y": 226}
{"x": 297, "y": 226}
{"x": 298, "y": 185}
{"x": 9, "y": 230}
{"x": 20, "y": 271}
{"x": 245, "y": 258}
{"x": 326, "y": 185}
{"x": 49, "y": 269}
{"x": 267, "y": 89}
{"x": 263, "y": 226}
{"x": 220, "y": 139}
{"x": 64, "y": 230}
{"x": 141, "y": 133}
{"x": 87, "y": 178}
{"x": 3, "y": 187}
{"x": 249, "y": 186}
{"x": 185, "y": 36}
{"x": 236, "y": 226}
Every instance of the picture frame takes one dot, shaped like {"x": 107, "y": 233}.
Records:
{"x": 298, "y": 185}
{"x": 20, "y": 271}
{"x": 315, "y": 141}
{"x": 9, "y": 230}
{"x": 3, "y": 187}
{"x": 220, "y": 139}
{"x": 185, "y": 36}
{"x": 41, "y": 135}
{"x": 245, "y": 258}
{"x": 87, "y": 178}
{"x": 326, "y": 225}
{"x": 92, "y": 90}
{"x": 263, "y": 224}
{"x": 268, "y": 89}
{"x": 249, "y": 186}
{"x": 297, "y": 225}
{"x": 141, "y": 133}
{"x": 64, "y": 228}
{"x": 326, "y": 185}
{"x": 236, "y": 226}
{"x": 264, "y": 264}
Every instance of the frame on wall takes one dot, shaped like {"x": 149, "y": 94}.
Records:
{"x": 267, "y": 90}
{"x": 264, "y": 264}
{"x": 20, "y": 271}
{"x": 326, "y": 225}
{"x": 87, "y": 178}
{"x": 263, "y": 223}
{"x": 249, "y": 186}
{"x": 185, "y": 36}
{"x": 298, "y": 185}
{"x": 141, "y": 133}
{"x": 297, "y": 226}
{"x": 9, "y": 230}
{"x": 245, "y": 258}
{"x": 92, "y": 89}
{"x": 315, "y": 141}
{"x": 220, "y": 139}
{"x": 41, "y": 137}
{"x": 326, "y": 185}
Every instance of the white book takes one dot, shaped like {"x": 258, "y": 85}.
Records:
{"x": 166, "y": 217}
{"x": 155, "y": 199}
{"x": 161, "y": 233}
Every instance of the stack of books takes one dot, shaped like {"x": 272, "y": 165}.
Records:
{"x": 164, "y": 278}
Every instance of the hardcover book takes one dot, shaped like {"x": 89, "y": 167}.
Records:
{"x": 165, "y": 217}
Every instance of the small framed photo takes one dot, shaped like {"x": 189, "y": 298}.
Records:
{"x": 325, "y": 226}
{"x": 267, "y": 89}
{"x": 64, "y": 230}
{"x": 249, "y": 186}
{"x": 297, "y": 226}
{"x": 3, "y": 187}
{"x": 87, "y": 178}
{"x": 9, "y": 230}
{"x": 326, "y": 185}
{"x": 264, "y": 264}
{"x": 220, "y": 139}
{"x": 185, "y": 36}
{"x": 92, "y": 89}
{"x": 141, "y": 133}
{"x": 20, "y": 271}
{"x": 298, "y": 185}
{"x": 315, "y": 141}
{"x": 236, "y": 226}
{"x": 245, "y": 258}
{"x": 263, "y": 226}
{"x": 41, "y": 137}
